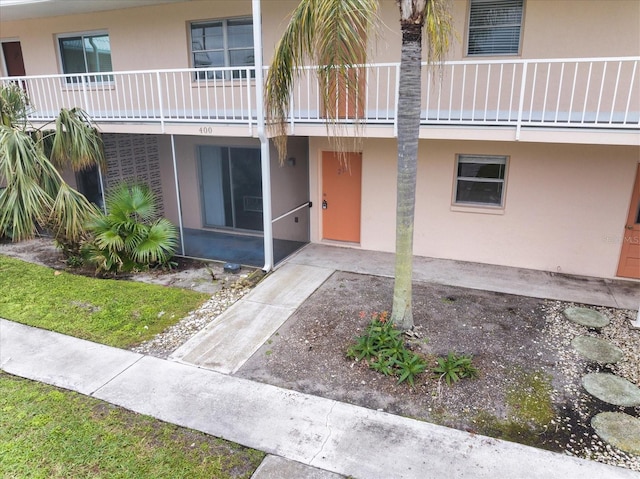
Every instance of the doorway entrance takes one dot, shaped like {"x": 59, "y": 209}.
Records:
{"x": 341, "y": 196}
{"x": 13, "y": 62}
{"x": 629, "y": 266}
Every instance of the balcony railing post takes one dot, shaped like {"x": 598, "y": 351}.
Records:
{"x": 521, "y": 100}
{"x": 395, "y": 106}
{"x": 160, "y": 104}
{"x": 84, "y": 95}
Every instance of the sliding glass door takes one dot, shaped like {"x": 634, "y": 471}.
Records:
{"x": 231, "y": 187}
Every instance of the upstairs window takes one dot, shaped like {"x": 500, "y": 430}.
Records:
{"x": 86, "y": 53}
{"x": 222, "y": 43}
{"x": 494, "y": 27}
{"x": 480, "y": 180}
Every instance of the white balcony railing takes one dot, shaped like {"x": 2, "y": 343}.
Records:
{"x": 581, "y": 93}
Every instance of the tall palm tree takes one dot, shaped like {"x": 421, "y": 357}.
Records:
{"x": 34, "y": 193}
{"x": 333, "y": 34}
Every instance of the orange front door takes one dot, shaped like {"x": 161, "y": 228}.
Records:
{"x": 341, "y": 188}
{"x": 629, "y": 266}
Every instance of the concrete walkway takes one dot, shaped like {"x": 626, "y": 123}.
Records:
{"x": 306, "y": 436}
{"x": 313, "y": 431}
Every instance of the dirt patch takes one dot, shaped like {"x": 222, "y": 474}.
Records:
{"x": 529, "y": 385}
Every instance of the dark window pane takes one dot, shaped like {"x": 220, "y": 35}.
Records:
{"x": 208, "y": 59}
{"x": 72, "y": 55}
{"x": 239, "y": 58}
{"x": 240, "y": 33}
{"x": 480, "y": 170}
{"x": 479, "y": 192}
{"x": 98, "y": 53}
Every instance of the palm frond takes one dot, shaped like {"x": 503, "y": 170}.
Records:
{"x": 331, "y": 33}
{"x": 75, "y": 142}
{"x": 14, "y": 106}
{"x": 159, "y": 245}
{"x": 69, "y": 214}
{"x": 24, "y": 203}
{"x": 439, "y": 30}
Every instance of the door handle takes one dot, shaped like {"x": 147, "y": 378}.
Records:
{"x": 324, "y": 204}
{"x": 629, "y": 227}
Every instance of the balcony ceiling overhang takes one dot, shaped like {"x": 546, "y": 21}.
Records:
{"x": 23, "y": 9}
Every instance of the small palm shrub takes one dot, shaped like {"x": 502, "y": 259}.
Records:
{"x": 130, "y": 236}
{"x": 454, "y": 367}
{"x": 383, "y": 349}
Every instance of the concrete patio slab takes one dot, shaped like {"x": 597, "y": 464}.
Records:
{"x": 60, "y": 360}
{"x": 502, "y": 279}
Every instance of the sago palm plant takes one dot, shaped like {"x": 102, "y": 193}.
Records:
{"x": 130, "y": 236}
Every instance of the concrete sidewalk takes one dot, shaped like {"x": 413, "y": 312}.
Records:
{"x": 307, "y": 436}
{"x": 317, "y": 432}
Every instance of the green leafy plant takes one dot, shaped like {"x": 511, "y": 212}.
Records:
{"x": 130, "y": 236}
{"x": 454, "y": 367}
{"x": 410, "y": 366}
{"x": 383, "y": 349}
{"x": 35, "y": 196}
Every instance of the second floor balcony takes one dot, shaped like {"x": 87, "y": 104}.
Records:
{"x": 510, "y": 99}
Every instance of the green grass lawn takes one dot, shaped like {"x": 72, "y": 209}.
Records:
{"x": 46, "y": 432}
{"x": 113, "y": 312}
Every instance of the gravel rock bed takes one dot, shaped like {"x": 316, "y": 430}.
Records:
{"x": 574, "y": 416}
{"x": 163, "y": 344}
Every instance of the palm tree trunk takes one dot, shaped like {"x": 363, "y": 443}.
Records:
{"x": 408, "y": 131}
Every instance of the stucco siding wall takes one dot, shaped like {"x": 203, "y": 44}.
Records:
{"x": 157, "y": 37}
{"x": 565, "y": 205}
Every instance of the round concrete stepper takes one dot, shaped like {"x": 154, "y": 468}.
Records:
{"x": 619, "y": 430}
{"x": 596, "y": 349}
{"x": 586, "y": 317}
{"x": 612, "y": 389}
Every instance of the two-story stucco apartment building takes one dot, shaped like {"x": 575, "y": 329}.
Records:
{"x": 530, "y": 136}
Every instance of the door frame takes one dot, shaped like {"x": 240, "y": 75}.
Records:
{"x": 630, "y": 224}
{"x": 4, "y": 70}
{"x": 321, "y": 193}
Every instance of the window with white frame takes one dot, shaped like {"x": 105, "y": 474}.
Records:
{"x": 494, "y": 27}
{"x": 222, "y": 43}
{"x": 480, "y": 180}
{"x": 86, "y": 53}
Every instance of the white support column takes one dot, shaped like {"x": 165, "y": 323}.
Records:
{"x": 265, "y": 158}
{"x": 175, "y": 176}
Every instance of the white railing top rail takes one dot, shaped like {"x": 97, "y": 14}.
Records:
{"x": 315, "y": 67}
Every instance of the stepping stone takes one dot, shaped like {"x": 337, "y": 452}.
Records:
{"x": 597, "y": 350}
{"x": 619, "y": 430}
{"x": 612, "y": 389}
{"x": 586, "y": 317}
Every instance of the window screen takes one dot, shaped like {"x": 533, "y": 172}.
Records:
{"x": 480, "y": 180}
{"x": 494, "y": 27}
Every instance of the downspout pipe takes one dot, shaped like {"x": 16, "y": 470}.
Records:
{"x": 265, "y": 158}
